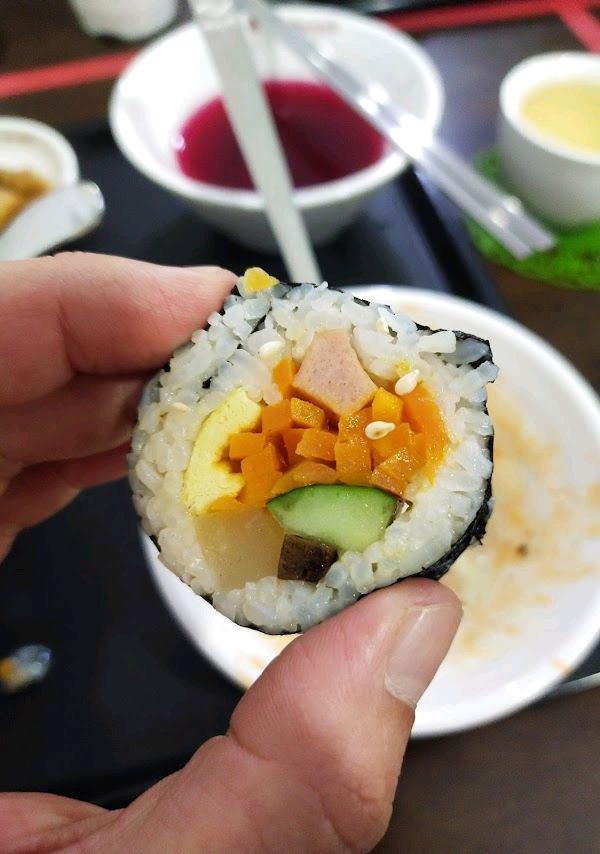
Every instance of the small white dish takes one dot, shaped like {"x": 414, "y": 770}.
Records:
{"x": 56, "y": 218}
{"x": 173, "y": 76}
{"x": 523, "y": 654}
{"x": 37, "y": 147}
{"x": 560, "y": 182}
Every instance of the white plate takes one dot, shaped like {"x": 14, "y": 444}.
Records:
{"x": 529, "y": 647}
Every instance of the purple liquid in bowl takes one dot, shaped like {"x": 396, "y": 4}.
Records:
{"x": 323, "y": 138}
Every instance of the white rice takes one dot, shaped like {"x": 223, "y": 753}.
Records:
{"x": 234, "y": 352}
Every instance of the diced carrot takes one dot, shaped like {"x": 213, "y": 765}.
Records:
{"x": 276, "y": 418}
{"x": 424, "y": 416}
{"x": 395, "y": 441}
{"x": 317, "y": 445}
{"x": 260, "y": 471}
{"x": 225, "y": 503}
{"x": 308, "y": 472}
{"x": 306, "y": 414}
{"x": 418, "y": 448}
{"x": 284, "y": 484}
{"x": 258, "y": 490}
{"x": 388, "y": 481}
{"x": 353, "y": 461}
{"x": 290, "y": 441}
{"x": 283, "y": 375}
{"x": 244, "y": 444}
{"x": 353, "y": 426}
{"x": 386, "y": 406}
{"x": 266, "y": 460}
{"x": 304, "y": 474}
{"x": 395, "y": 473}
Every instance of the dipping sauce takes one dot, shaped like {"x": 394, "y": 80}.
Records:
{"x": 323, "y": 138}
{"x": 568, "y": 112}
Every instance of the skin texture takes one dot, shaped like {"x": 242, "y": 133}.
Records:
{"x": 81, "y": 333}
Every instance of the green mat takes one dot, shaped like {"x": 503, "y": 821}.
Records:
{"x": 573, "y": 263}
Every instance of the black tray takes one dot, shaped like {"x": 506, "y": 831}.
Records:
{"x": 129, "y": 699}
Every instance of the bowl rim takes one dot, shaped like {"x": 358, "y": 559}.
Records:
{"x": 51, "y": 138}
{"x": 522, "y": 79}
{"x": 341, "y": 190}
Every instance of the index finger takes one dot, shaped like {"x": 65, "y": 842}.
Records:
{"x": 96, "y": 314}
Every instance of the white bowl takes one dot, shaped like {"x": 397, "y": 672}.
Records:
{"x": 172, "y": 77}
{"x": 558, "y": 622}
{"x": 556, "y": 180}
{"x": 32, "y": 145}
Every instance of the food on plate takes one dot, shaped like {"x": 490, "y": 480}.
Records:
{"x": 17, "y": 188}
{"x": 308, "y": 447}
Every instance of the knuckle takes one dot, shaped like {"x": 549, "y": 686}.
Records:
{"x": 366, "y": 802}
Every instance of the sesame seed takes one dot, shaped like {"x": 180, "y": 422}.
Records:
{"x": 379, "y": 429}
{"x": 407, "y": 383}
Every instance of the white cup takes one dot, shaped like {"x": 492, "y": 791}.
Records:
{"x": 558, "y": 181}
{"x": 129, "y": 20}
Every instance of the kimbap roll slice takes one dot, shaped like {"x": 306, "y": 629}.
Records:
{"x": 307, "y": 448}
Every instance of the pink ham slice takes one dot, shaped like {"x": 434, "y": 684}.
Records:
{"x": 332, "y": 376}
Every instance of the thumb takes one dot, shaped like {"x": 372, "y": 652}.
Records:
{"x": 314, "y": 750}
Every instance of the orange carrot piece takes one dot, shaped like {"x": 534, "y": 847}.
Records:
{"x": 353, "y": 461}
{"x": 395, "y": 473}
{"x": 244, "y": 444}
{"x": 353, "y": 426}
{"x": 424, "y": 416}
{"x": 284, "y": 484}
{"x": 283, "y": 375}
{"x": 386, "y": 406}
{"x": 276, "y": 418}
{"x": 397, "y": 440}
{"x": 388, "y": 482}
{"x": 261, "y": 472}
{"x": 308, "y": 472}
{"x": 306, "y": 414}
{"x": 317, "y": 445}
{"x": 259, "y": 490}
{"x": 291, "y": 438}
{"x": 225, "y": 503}
{"x": 266, "y": 460}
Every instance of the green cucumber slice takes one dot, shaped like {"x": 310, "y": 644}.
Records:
{"x": 349, "y": 518}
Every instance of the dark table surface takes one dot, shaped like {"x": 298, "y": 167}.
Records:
{"x": 529, "y": 783}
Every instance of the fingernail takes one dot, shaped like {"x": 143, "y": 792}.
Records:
{"x": 421, "y": 643}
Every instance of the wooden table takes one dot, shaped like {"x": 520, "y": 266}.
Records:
{"x": 529, "y": 783}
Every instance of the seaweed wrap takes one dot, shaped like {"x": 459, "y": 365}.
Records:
{"x": 307, "y": 448}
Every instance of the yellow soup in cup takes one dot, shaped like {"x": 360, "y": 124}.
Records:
{"x": 567, "y": 111}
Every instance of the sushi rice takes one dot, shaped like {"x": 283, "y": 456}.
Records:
{"x": 239, "y": 348}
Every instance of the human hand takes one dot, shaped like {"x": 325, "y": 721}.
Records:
{"x": 314, "y": 749}
{"x": 80, "y": 334}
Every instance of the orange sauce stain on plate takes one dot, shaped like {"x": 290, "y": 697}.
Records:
{"x": 534, "y": 537}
